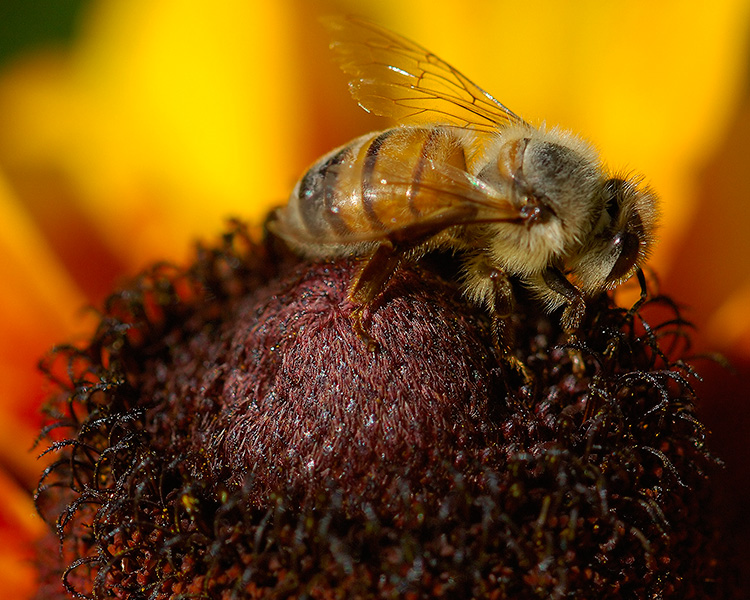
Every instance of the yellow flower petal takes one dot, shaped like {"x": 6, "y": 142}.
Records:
{"x": 167, "y": 116}
{"x": 171, "y": 117}
{"x": 649, "y": 83}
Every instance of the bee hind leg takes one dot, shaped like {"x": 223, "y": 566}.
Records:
{"x": 368, "y": 284}
{"x": 357, "y": 317}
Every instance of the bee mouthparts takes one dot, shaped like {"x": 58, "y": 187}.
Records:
{"x": 535, "y": 211}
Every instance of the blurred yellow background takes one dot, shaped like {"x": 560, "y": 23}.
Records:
{"x": 151, "y": 121}
{"x": 164, "y": 117}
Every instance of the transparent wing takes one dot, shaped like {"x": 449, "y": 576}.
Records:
{"x": 394, "y": 77}
{"x": 409, "y": 210}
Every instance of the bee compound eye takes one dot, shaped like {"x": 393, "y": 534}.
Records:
{"x": 614, "y": 192}
{"x": 629, "y": 245}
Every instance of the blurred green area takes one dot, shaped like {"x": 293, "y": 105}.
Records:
{"x": 25, "y": 24}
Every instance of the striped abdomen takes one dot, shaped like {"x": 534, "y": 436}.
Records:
{"x": 367, "y": 190}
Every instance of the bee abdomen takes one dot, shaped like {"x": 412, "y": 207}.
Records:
{"x": 312, "y": 219}
{"x": 315, "y": 196}
{"x": 364, "y": 191}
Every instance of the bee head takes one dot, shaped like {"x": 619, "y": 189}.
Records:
{"x": 621, "y": 241}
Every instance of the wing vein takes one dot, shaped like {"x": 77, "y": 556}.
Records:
{"x": 382, "y": 62}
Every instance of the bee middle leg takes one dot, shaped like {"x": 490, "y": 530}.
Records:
{"x": 502, "y": 329}
{"x": 492, "y": 286}
{"x": 369, "y": 283}
{"x": 573, "y": 313}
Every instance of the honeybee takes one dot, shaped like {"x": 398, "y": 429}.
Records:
{"x": 463, "y": 173}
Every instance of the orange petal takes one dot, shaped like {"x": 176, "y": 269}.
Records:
{"x": 711, "y": 271}
{"x": 729, "y": 327}
{"x": 19, "y": 527}
{"x": 38, "y": 308}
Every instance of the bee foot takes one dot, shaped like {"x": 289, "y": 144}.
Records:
{"x": 360, "y": 329}
{"x": 516, "y": 365}
{"x": 611, "y": 350}
{"x": 577, "y": 362}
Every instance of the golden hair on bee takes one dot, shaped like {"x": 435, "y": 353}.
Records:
{"x": 463, "y": 172}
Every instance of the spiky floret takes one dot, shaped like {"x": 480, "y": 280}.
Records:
{"x": 226, "y": 434}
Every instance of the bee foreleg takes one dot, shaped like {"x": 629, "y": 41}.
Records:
{"x": 575, "y": 307}
{"x": 369, "y": 283}
{"x": 644, "y": 292}
{"x": 611, "y": 348}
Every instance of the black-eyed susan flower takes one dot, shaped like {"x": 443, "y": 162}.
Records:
{"x": 165, "y": 117}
